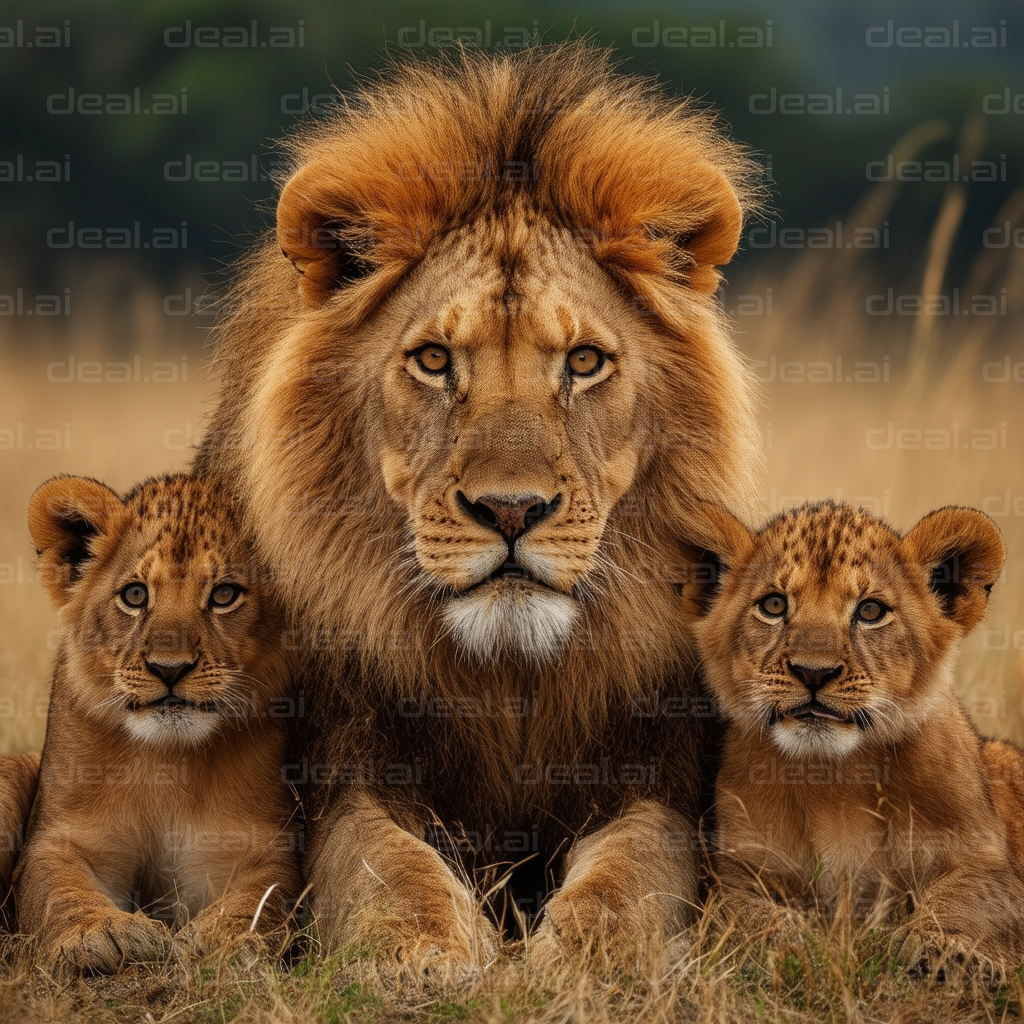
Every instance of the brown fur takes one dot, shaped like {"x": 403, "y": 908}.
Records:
{"x": 1005, "y": 763}
{"x": 895, "y": 794}
{"x": 509, "y": 209}
{"x": 18, "y": 776}
{"x": 175, "y": 810}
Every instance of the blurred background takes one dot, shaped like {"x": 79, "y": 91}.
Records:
{"x": 880, "y": 298}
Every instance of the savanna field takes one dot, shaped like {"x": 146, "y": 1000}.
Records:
{"x": 901, "y": 414}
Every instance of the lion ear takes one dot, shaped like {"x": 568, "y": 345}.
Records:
{"x": 686, "y": 222}
{"x": 321, "y": 232}
{"x": 963, "y": 552}
{"x": 715, "y": 239}
{"x": 64, "y": 516}
{"x": 718, "y": 543}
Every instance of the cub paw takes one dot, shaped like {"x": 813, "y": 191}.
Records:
{"x": 208, "y": 936}
{"x": 931, "y": 954}
{"x": 106, "y": 943}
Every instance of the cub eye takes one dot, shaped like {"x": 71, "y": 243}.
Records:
{"x": 433, "y": 359}
{"x": 225, "y": 595}
{"x": 774, "y": 606}
{"x": 135, "y": 595}
{"x": 584, "y": 361}
{"x": 870, "y": 611}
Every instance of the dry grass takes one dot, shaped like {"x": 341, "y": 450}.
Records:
{"x": 816, "y": 437}
{"x": 840, "y": 974}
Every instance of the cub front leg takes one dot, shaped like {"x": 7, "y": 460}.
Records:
{"x": 632, "y": 880}
{"x": 374, "y": 883}
{"x": 967, "y": 917}
{"x": 758, "y": 901}
{"x": 76, "y": 926}
{"x": 764, "y": 881}
{"x": 255, "y": 909}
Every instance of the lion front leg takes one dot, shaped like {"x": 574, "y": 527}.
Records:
{"x": 373, "y": 883}
{"x": 631, "y": 881}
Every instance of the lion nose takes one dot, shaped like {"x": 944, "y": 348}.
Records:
{"x": 509, "y": 516}
{"x": 814, "y": 677}
{"x": 170, "y": 672}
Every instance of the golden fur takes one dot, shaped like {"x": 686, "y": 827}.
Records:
{"x": 503, "y": 212}
{"x": 160, "y": 796}
{"x": 850, "y": 769}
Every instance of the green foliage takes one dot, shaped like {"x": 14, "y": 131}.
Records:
{"x": 241, "y": 98}
{"x": 223, "y": 1013}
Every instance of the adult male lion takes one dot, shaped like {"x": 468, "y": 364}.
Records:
{"x": 469, "y": 408}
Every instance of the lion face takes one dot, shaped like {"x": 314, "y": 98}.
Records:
{"x": 511, "y": 425}
{"x": 826, "y": 630}
{"x": 166, "y": 633}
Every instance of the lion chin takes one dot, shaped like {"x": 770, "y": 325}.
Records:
{"x": 177, "y": 726}
{"x": 511, "y": 617}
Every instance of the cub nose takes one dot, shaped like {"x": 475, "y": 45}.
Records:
{"x": 814, "y": 677}
{"x": 511, "y": 516}
{"x": 169, "y": 672}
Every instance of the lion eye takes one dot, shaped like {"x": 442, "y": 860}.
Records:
{"x": 225, "y": 595}
{"x": 774, "y": 606}
{"x": 433, "y": 358}
{"x": 870, "y": 611}
{"x": 135, "y": 595}
{"x": 584, "y": 361}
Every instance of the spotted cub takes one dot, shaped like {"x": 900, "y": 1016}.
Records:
{"x": 160, "y": 796}
{"x": 850, "y": 771}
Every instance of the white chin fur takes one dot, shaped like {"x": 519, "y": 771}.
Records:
{"x": 191, "y": 728}
{"x": 802, "y": 740}
{"x": 511, "y": 618}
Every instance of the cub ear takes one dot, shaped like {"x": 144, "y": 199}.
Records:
{"x": 964, "y": 553}
{"x": 64, "y": 515}
{"x": 717, "y": 542}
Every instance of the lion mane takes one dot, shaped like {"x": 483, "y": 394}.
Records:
{"x": 514, "y": 152}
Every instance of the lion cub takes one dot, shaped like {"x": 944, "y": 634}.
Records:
{"x": 160, "y": 795}
{"x": 850, "y": 769}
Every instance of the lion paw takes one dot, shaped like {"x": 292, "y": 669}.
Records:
{"x": 424, "y": 963}
{"x": 579, "y": 924}
{"x": 105, "y": 943}
{"x": 441, "y": 936}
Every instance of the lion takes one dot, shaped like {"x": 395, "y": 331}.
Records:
{"x": 850, "y": 769}
{"x": 160, "y": 800}
{"x": 473, "y": 386}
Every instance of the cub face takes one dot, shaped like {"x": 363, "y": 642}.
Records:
{"x": 168, "y": 630}
{"x": 827, "y": 630}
